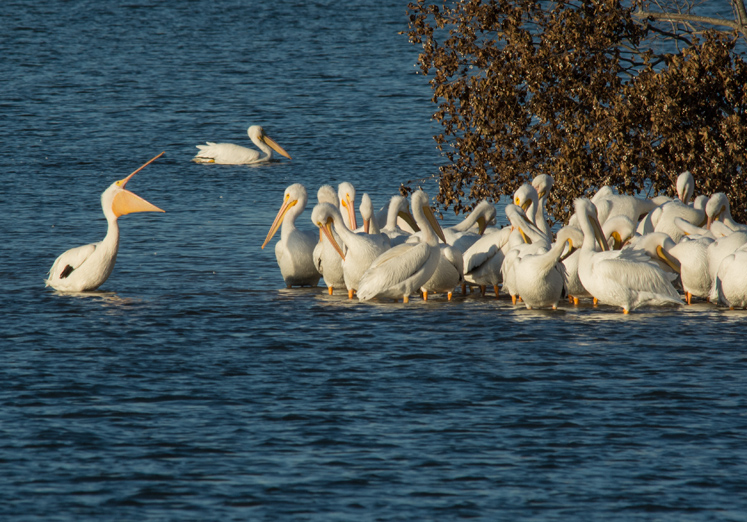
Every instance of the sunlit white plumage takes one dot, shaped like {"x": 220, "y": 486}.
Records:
{"x": 294, "y": 250}
{"x": 539, "y": 276}
{"x": 543, "y": 184}
{"x": 326, "y": 259}
{"x": 357, "y": 251}
{"x": 692, "y": 254}
{"x": 231, "y": 154}
{"x": 624, "y": 278}
{"x": 402, "y": 270}
{"x": 87, "y": 267}
{"x": 398, "y": 209}
{"x": 731, "y": 280}
{"x": 483, "y": 260}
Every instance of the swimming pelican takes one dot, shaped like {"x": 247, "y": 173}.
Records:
{"x": 230, "y": 154}
{"x": 359, "y": 250}
{"x": 294, "y": 251}
{"x": 87, "y": 267}
{"x": 402, "y": 270}
{"x": 624, "y": 278}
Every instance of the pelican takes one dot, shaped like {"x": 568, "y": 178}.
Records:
{"x": 534, "y": 242}
{"x": 527, "y": 198}
{"x": 398, "y": 208}
{"x": 294, "y": 251}
{"x": 402, "y": 270}
{"x": 463, "y": 235}
{"x": 483, "y": 260}
{"x": 359, "y": 249}
{"x": 685, "y": 187}
{"x": 618, "y": 231}
{"x": 448, "y": 274}
{"x": 543, "y": 185}
{"x": 346, "y": 195}
{"x": 719, "y": 250}
{"x": 230, "y": 154}
{"x": 622, "y": 278}
{"x": 718, "y": 208}
{"x": 539, "y": 276}
{"x": 326, "y": 259}
{"x": 692, "y": 254}
{"x": 573, "y": 286}
{"x": 87, "y": 267}
{"x": 677, "y": 210}
{"x": 731, "y": 281}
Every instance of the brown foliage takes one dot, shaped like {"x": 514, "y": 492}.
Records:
{"x": 574, "y": 90}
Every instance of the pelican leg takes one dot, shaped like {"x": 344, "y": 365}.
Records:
{"x": 596, "y": 301}
{"x": 464, "y": 288}
{"x": 688, "y": 297}
{"x": 626, "y": 311}
{"x": 571, "y": 298}
{"x": 495, "y": 289}
{"x": 575, "y": 301}
{"x": 425, "y": 295}
{"x": 448, "y": 296}
{"x": 482, "y": 290}
{"x": 351, "y": 293}
{"x": 329, "y": 289}
{"x": 513, "y": 299}
{"x": 406, "y": 299}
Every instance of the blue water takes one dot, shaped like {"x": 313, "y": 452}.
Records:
{"x": 194, "y": 386}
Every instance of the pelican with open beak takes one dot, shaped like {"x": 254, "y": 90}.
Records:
{"x": 87, "y": 267}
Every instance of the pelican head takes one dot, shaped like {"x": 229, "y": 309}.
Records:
{"x": 121, "y": 201}
{"x": 525, "y": 196}
{"x": 422, "y": 211}
{"x": 294, "y": 195}
{"x": 717, "y": 207}
{"x": 346, "y": 195}
{"x": 324, "y": 216}
{"x": 257, "y": 135}
{"x": 543, "y": 185}
{"x": 587, "y": 216}
{"x": 685, "y": 186}
{"x": 327, "y": 194}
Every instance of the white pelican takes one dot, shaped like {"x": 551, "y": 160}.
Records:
{"x": 326, "y": 259}
{"x": 610, "y": 204}
{"x": 527, "y": 198}
{"x": 535, "y": 242}
{"x": 370, "y": 226}
{"x": 346, "y": 195}
{"x": 719, "y": 250}
{"x": 543, "y": 185}
{"x": 483, "y": 260}
{"x": 539, "y": 276}
{"x": 573, "y": 286}
{"x": 624, "y": 278}
{"x": 657, "y": 245}
{"x": 731, "y": 280}
{"x": 359, "y": 250}
{"x": 618, "y": 231}
{"x": 448, "y": 274}
{"x": 398, "y": 208}
{"x": 328, "y": 255}
{"x": 462, "y": 235}
{"x": 692, "y": 254}
{"x": 402, "y": 270}
{"x": 294, "y": 251}
{"x": 717, "y": 208}
{"x": 87, "y": 267}
{"x": 685, "y": 187}
{"x": 230, "y": 154}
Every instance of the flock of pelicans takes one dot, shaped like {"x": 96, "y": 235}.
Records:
{"x": 617, "y": 249}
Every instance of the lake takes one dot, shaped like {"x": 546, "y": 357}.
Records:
{"x": 195, "y": 386}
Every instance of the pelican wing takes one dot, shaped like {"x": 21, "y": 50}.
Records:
{"x": 70, "y": 260}
{"x": 633, "y": 269}
{"x": 225, "y": 153}
{"x": 392, "y": 267}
